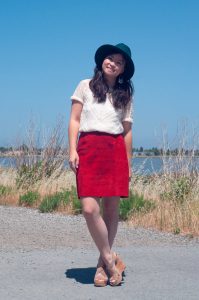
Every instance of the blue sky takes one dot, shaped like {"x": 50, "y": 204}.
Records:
{"x": 47, "y": 47}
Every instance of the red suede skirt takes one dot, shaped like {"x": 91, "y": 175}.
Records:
{"x": 103, "y": 165}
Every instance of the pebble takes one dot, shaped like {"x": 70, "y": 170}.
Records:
{"x": 26, "y": 229}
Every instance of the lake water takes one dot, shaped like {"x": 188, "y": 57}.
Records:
{"x": 140, "y": 165}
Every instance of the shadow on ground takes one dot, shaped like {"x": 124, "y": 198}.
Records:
{"x": 82, "y": 275}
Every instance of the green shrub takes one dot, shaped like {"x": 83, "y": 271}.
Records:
{"x": 181, "y": 188}
{"x": 178, "y": 190}
{"x": 30, "y": 198}
{"x": 134, "y": 203}
{"x": 66, "y": 197}
{"x": 5, "y": 190}
{"x": 28, "y": 175}
{"x": 176, "y": 230}
{"x": 76, "y": 203}
{"x": 50, "y": 203}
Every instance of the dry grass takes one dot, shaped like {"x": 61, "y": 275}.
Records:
{"x": 37, "y": 170}
{"x": 8, "y": 177}
{"x": 169, "y": 215}
{"x": 10, "y": 200}
{"x": 56, "y": 183}
{"x": 172, "y": 215}
{"x": 45, "y": 186}
{"x": 175, "y": 191}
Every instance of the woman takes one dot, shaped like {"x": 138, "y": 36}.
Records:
{"x": 101, "y": 157}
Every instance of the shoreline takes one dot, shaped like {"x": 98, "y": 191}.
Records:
{"x": 133, "y": 156}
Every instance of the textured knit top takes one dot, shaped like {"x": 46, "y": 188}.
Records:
{"x": 103, "y": 117}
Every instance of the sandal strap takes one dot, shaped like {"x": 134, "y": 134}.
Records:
{"x": 116, "y": 278}
{"x": 101, "y": 277}
{"x": 119, "y": 263}
{"x": 101, "y": 272}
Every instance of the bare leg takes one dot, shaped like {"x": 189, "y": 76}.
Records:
{"x": 111, "y": 216}
{"x": 110, "y": 207}
{"x": 97, "y": 227}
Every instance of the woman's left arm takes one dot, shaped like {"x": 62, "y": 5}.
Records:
{"x": 128, "y": 139}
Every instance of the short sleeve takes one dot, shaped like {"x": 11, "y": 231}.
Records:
{"x": 78, "y": 93}
{"x": 128, "y": 112}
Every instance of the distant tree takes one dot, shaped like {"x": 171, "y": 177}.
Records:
{"x": 196, "y": 152}
{"x": 3, "y": 149}
{"x": 155, "y": 151}
{"x": 175, "y": 151}
{"x": 23, "y": 147}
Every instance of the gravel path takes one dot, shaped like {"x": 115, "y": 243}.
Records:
{"x": 52, "y": 256}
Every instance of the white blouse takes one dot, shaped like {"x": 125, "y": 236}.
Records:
{"x": 100, "y": 116}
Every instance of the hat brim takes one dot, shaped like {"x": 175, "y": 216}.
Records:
{"x": 107, "y": 49}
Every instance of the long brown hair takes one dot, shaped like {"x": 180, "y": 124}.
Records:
{"x": 121, "y": 94}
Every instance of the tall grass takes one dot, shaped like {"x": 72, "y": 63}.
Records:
{"x": 175, "y": 190}
{"x": 168, "y": 200}
{"x": 40, "y": 159}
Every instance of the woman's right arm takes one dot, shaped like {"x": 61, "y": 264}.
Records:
{"x": 73, "y": 130}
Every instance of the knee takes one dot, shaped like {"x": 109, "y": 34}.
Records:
{"x": 89, "y": 210}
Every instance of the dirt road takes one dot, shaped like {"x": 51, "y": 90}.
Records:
{"x": 51, "y": 256}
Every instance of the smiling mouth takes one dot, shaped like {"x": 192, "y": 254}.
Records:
{"x": 110, "y": 69}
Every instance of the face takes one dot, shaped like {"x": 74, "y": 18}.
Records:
{"x": 113, "y": 65}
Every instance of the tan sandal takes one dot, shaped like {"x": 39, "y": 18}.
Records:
{"x": 101, "y": 278}
{"x": 119, "y": 263}
{"x": 116, "y": 278}
{"x": 115, "y": 275}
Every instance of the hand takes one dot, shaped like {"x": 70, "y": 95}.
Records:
{"x": 74, "y": 161}
{"x": 130, "y": 174}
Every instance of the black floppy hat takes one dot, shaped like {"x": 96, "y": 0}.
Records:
{"x": 121, "y": 48}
